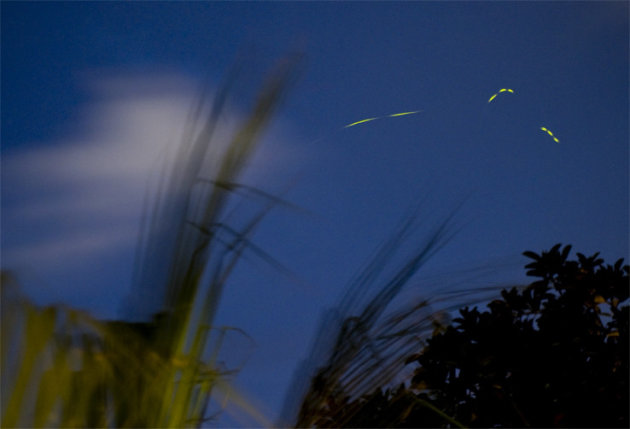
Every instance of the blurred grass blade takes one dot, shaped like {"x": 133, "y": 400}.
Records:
{"x": 63, "y": 368}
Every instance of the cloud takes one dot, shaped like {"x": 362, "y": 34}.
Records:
{"x": 72, "y": 206}
{"x": 78, "y": 199}
{"x": 81, "y": 195}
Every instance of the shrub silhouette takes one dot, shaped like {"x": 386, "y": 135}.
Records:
{"x": 553, "y": 354}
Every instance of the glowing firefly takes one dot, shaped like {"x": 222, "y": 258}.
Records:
{"x": 500, "y": 91}
{"x": 393, "y": 115}
{"x": 550, "y": 133}
{"x": 360, "y": 122}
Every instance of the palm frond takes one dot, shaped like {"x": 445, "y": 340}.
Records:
{"x": 72, "y": 370}
{"x": 362, "y": 344}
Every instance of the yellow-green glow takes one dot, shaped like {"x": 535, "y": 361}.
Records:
{"x": 360, "y": 122}
{"x": 393, "y": 115}
{"x": 551, "y": 134}
{"x": 500, "y": 91}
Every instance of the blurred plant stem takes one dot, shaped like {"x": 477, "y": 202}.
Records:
{"x": 63, "y": 368}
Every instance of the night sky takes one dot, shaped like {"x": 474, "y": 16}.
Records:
{"x": 93, "y": 93}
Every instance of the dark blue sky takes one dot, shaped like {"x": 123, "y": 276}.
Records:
{"x": 91, "y": 91}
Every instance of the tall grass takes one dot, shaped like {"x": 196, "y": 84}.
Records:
{"x": 362, "y": 344}
{"x": 63, "y": 368}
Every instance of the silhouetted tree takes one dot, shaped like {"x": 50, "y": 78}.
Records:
{"x": 554, "y": 354}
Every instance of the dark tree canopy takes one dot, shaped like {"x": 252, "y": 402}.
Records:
{"x": 554, "y": 354}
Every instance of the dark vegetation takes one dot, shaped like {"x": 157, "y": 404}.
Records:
{"x": 61, "y": 367}
{"x": 552, "y": 354}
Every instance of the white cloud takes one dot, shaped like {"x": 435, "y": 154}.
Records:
{"x": 78, "y": 198}
{"x": 83, "y": 193}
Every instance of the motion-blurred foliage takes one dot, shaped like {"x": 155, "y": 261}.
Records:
{"x": 63, "y": 368}
{"x": 552, "y": 354}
